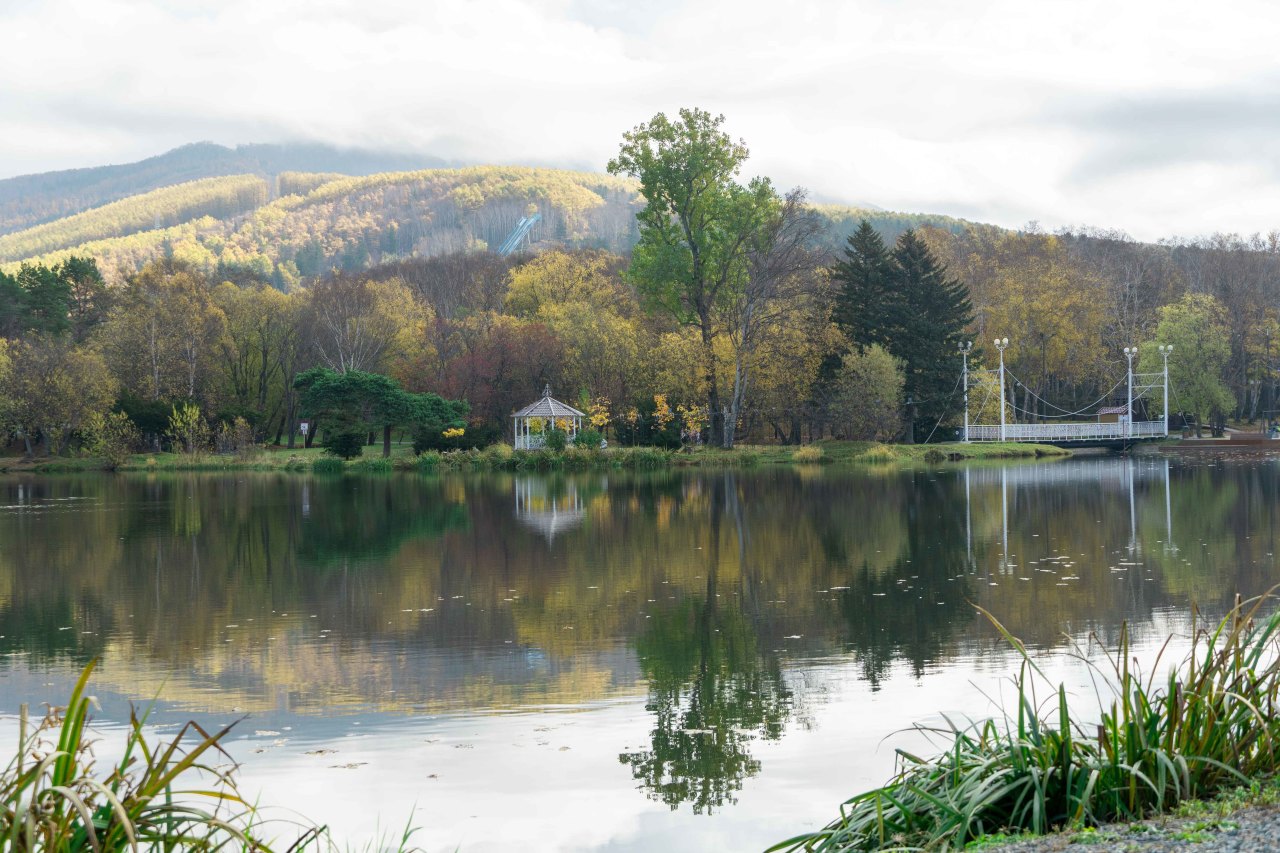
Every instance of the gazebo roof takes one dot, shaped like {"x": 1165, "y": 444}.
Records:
{"x": 548, "y": 407}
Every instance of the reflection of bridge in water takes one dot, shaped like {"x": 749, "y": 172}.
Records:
{"x": 1110, "y": 474}
{"x": 1106, "y": 471}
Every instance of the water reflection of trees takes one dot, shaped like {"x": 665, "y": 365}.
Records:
{"x": 712, "y": 689}
{"x": 881, "y": 567}
{"x": 912, "y": 609}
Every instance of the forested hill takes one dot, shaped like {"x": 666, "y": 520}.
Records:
{"x": 34, "y": 199}
{"x": 294, "y": 225}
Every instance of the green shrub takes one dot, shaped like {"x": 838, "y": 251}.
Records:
{"x": 328, "y": 465}
{"x": 344, "y": 445}
{"x": 746, "y": 458}
{"x": 588, "y": 438}
{"x": 809, "y": 454}
{"x": 429, "y": 461}
{"x": 187, "y": 430}
{"x": 112, "y": 436}
{"x": 498, "y": 456}
{"x": 933, "y": 456}
{"x": 556, "y": 439}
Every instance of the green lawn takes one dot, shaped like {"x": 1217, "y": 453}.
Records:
{"x": 827, "y": 452}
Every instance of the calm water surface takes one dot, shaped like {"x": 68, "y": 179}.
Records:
{"x": 677, "y": 661}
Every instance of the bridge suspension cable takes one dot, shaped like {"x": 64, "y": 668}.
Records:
{"x": 1124, "y": 430}
{"x": 1059, "y": 408}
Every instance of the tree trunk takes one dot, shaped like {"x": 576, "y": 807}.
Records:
{"x": 386, "y": 441}
{"x": 713, "y": 390}
{"x": 735, "y": 405}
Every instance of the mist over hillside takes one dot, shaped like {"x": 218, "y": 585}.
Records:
{"x": 288, "y": 213}
{"x": 29, "y": 200}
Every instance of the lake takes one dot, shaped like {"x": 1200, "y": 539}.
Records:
{"x": 667, "y": 661}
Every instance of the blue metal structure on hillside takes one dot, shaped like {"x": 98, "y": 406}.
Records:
{"x": 521, "y": 231}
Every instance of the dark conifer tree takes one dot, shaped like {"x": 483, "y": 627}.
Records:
{"x": 12, "y": 314}
{"x": 866, "y": 308}
{"x": 933, "y": 312}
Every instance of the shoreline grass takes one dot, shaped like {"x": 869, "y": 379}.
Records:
{"x": 158, "y": 797}
{"x": 500, "y": 457}
{"x": 1210, "y": 725}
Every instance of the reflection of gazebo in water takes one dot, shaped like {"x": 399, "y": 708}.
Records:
{"x": 547, "y": 512}
{"x": 532, "y": 422}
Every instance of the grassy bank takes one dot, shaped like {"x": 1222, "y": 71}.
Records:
{"x": 1191, "y": 822}
{"x": 1147, "y": 746}
{"x": 502, "y": 457}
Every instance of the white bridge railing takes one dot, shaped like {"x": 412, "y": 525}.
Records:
{"x": 1069, "y": 432}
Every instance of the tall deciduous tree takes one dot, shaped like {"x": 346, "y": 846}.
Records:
{"x": 354, "y": 324}
{"x": 781, "y": 276}
{"x": 695, "y": 225}
{"x": 162, "y": 336}
{"x": 1197, "y": 328}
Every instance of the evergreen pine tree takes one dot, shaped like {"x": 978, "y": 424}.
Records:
{"x": 866, "y": 308}
{"x": 933, "y": 310}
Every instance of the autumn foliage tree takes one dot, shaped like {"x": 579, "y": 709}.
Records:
{"x": 695, "y": 227}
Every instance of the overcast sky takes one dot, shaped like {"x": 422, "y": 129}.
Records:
{"x": 1159, "y": 118}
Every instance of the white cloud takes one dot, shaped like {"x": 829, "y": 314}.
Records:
{"x": 1145, "y": 116}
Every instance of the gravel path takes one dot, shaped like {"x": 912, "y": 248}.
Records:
{"x": 1250, "y": 830}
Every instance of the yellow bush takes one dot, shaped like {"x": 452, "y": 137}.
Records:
{"x": 809, "y": 454}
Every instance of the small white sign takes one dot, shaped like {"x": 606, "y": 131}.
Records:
{"x": 304, "y": 426}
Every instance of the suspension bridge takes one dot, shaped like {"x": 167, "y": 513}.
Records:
{"x": 1099, "y": 424}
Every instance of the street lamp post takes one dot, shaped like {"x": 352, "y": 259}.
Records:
{"x": 965, "y": 347}
{"x": 1001, "y": 343}
{"x": 1129, "y": 353}
{"x": 1164, "y": 354}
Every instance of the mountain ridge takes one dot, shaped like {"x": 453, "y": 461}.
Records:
{"x": 42, "y": 197}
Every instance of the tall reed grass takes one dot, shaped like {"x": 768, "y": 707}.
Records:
{"x": 1149, "y": 743}
{"x": 158, "y": 797}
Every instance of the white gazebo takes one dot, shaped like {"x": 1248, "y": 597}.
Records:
{"x": 531, "y": 423}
